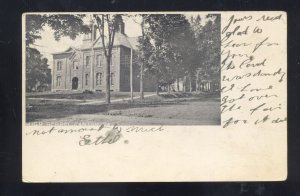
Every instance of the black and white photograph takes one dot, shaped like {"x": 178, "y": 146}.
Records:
{"x": 145, "y": 69}
{"x": 117, "y": 96}
{"x": 140, "y": 69}
{"x": 156, "y": 97}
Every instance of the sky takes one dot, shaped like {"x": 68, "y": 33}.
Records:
{"x": 48, "y": 45}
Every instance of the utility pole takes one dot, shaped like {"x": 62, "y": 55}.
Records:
{"x": 92, "y": 56}
{"x": 142, "y": 65}
{"x": 131, "y": 77}
{"x": 141, "y": 81}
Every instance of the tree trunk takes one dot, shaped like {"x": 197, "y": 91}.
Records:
{"x": 169, "y": 88}
{"x": 141, "y": 81}
{"x": 190, "y": 79}
{"x": 157, "y": 86}
{"x": 157, "y": 90}
{"x": 107, "y": 77}
{"x": 183, "y": 83}
{"x": 177, "y": 84}
{"x": 106, "y": 48}
{"x": 197, "y": 83}
{"x": 131, "y": 77}
{"x": 142, "y": 65}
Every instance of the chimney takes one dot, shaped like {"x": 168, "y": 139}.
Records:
{"x": 94, "y": 34}
{"x": 122, "y": 27}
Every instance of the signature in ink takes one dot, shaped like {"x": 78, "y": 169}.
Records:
{"x": 111, "y": 137}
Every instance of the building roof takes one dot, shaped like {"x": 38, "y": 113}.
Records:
{"x": 133, "y": 42}
{"x": 69, "y": 50}
{"x": 120, "y": 40}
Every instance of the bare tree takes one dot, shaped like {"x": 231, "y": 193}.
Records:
{"x": 140, "y": 20}
{"x": 107, "y": 24}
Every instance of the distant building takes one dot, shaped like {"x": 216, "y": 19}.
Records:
{"x": 83, "y": 68}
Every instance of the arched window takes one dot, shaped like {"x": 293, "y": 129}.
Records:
{"x": 112, "y": 60}
{"x": 58, "y": 65}
{"x": 75, "y": 65}
{"x": 58, "y": 80}
{"x": 99, "y": 60}
{"x": 86, "y": 79}
{"x": 87, "y": 61}
{"x": 98, "y": 78}
{"x": 112, "y": 78}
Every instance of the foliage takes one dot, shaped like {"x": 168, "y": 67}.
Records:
{"x": 208, "y": 42}
{"x": 111, "y": 22}
{"x": 38, "y": 74}
{"x": 34, "y": 25}
{"x": 62, "y": 24}
{"x": 173, "y": 47}
{"x": 144, "y": 51}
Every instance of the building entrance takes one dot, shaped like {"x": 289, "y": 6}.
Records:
{"x": 74, "y": 83}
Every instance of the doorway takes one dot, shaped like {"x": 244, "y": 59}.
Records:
{"x": 74, "y": 83}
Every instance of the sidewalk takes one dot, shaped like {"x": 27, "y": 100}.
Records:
{"x": 100, "y": 102}
{"x": 89, "y": 101}
{"x": 54, "y": 99}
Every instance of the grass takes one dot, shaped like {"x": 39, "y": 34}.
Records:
{"x": 169, "y": 109}
{"x": 81, "y": 95}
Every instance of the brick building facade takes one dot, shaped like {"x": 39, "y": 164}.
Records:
{"x": 83, "y": 68}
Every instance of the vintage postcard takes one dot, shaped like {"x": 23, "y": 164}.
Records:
{"x": 154, "y": 96}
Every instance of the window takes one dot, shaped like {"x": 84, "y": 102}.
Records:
{"x": 127, "y": 60}
{"x": 58, "y": 65}
{"x": 86, "y": 79}
{"x": 58, "y": 80}
{"x": 87, "y": 61}
{"x": 99, "y": 60}
{"x": 98, "y": 78}
{"x": 75, "y": 65}
{"x": 112, "y": 78}
{"x": 112, "y": 61}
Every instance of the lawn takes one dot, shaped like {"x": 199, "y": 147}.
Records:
{"x": 81, "y": 95}
{"x": 166, "y": 109}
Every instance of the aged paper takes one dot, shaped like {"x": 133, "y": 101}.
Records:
{"x": 246, "y": 141}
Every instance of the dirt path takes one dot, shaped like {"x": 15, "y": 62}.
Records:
{"x": 99, "y": 102}
{"x": 89, "y": 101}
{"x": 193, "y": 112}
